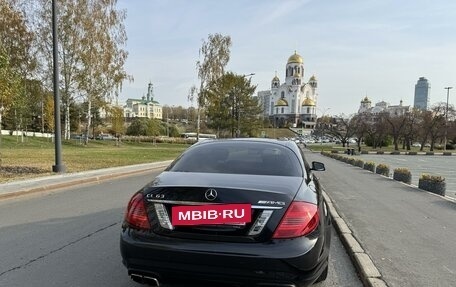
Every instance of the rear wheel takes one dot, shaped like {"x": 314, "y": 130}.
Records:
{"x": 323, "y": 275}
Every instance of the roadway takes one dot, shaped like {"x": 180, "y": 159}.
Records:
{"x": 70, "y": 237}
{"x": 418, "y": 164}
{"x": 408, "y": 233}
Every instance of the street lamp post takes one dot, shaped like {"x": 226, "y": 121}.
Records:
{"x": 58, "y": 167}
{"x": 446, "y": 118}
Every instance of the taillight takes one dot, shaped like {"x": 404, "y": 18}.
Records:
{"x": 300, "y": 219}
{"x": 136, "y": 215}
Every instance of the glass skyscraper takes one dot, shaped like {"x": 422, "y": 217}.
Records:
{"x": 422, "y": 94}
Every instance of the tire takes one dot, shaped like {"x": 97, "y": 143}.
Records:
{"x": 323, "y": 275}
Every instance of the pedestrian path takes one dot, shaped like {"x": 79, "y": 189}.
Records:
{"x": 409, "y": 234}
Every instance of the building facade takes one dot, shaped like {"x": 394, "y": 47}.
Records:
{"x": 293, "y": 102}
{"x": 380, "y": 107}
{"x": 422, "y": 94}
{"x": 146, "y": 107}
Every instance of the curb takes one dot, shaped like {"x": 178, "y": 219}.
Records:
{"x": 83, "y": 178}
{"x": 368, "y": 272}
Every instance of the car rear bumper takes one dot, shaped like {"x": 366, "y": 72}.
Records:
{"x": 297, "y": 262}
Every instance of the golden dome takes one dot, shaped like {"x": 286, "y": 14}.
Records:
{"x": 365, "y": 100}
{"x": 295, "y": 58}
{"x": 281, "y": 103}
{"x": 275, "y": 78}
{"x": 313, "y": 79}
{"x": 308, "y": 102}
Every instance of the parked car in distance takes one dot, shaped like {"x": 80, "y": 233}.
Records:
{"x": 416, "y": 144}
{"x": 105, "y": 137}
{"x": 247, "y": 212}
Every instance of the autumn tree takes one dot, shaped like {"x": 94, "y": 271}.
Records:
{"x": 91, "y": 56}
{"x": 214, "y": 56}
{"x": 17, "y": 64}
{"x": 117, "y": 121}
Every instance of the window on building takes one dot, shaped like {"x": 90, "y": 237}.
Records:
{"x": 282, "y": 110}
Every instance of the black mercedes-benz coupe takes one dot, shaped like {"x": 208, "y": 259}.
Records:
{"x": 242, "y": 211}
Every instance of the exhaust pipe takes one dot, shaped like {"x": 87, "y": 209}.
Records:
{"x": 144, "y": 279}
{"x": 276, "y": 284}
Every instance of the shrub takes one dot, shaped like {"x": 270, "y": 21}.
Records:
{"x": 402, "y": 174}
{"x": 334, "y": 151}
{"x": 429, "y": 153}
{"x": 412, "y": 153}
{"x": 447, "y": 153}
{"x": 370, "y": 166}
{"x": 380, "y": 152}
{"x": 433, "y": 178}
{"x": 382, "y": 169}
{"x": 351, "y": 161}
{"x": 395, "y": 152}
{"x": 359, "y": 163}
{"x": 432, "y": 183}
{"x": 364, "y": 152}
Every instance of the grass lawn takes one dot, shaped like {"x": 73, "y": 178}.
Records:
{"x": 35, "y": 156}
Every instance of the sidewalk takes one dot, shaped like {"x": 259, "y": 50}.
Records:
{"x": 409, "y": 234}
{"x": 65, "y": 180}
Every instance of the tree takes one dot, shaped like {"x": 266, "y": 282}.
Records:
{"x": 91, "y": 55}
{"x": 215, "y": 54}
{"x": 377, "y": 132}
{"x": 16, "y": 38}
{"x": 231, "y": 107}
{"x": 49, "y": 118}
{"x": 145, "y": 127}
{"x": 396, "y": 126}
{"x": 9, "y": 82}
{"x": 411, "y": 128}
{"x": 117, "y": 121}
{"x": 16, "y": 64}
{"x": 342, "y": 128}
{"x": 362, "y": 123}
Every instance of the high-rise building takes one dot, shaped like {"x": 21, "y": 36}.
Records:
{"x": 422, "y": 94}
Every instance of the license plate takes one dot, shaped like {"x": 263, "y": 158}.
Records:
{"x": 211, "y": 214}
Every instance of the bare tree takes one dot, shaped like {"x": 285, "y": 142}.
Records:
{"x": 342, "y": 128}
{"x": 396, "y": 126}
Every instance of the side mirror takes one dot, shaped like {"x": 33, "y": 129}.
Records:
{"x": 318, "y": 166}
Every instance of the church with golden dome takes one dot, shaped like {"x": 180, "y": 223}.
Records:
{"x": 293, "y": 102}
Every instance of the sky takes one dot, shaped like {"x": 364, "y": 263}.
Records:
{"x": 355, "y": 48}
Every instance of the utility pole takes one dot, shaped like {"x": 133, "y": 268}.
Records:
{"x": 58, "y": 167}
{"x": 446, "y": 118}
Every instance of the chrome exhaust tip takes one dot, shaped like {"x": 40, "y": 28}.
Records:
{"x": 145, "y": 279}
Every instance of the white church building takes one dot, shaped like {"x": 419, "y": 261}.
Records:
{"x": 293, "y": 102}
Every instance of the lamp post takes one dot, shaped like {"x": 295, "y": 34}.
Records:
{"x": 58, "y": 167}
{"x": 446, "y": 118}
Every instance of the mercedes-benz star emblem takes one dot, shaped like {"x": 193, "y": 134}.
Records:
{"x": 211, "y": 194}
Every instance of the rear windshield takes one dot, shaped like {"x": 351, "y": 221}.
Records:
{"x": 239, "y": 158}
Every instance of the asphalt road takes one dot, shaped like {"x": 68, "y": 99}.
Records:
{"x": 418, "y": 164}
{"x": 71, "y": 238}
{"x": 409, "y": 234}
